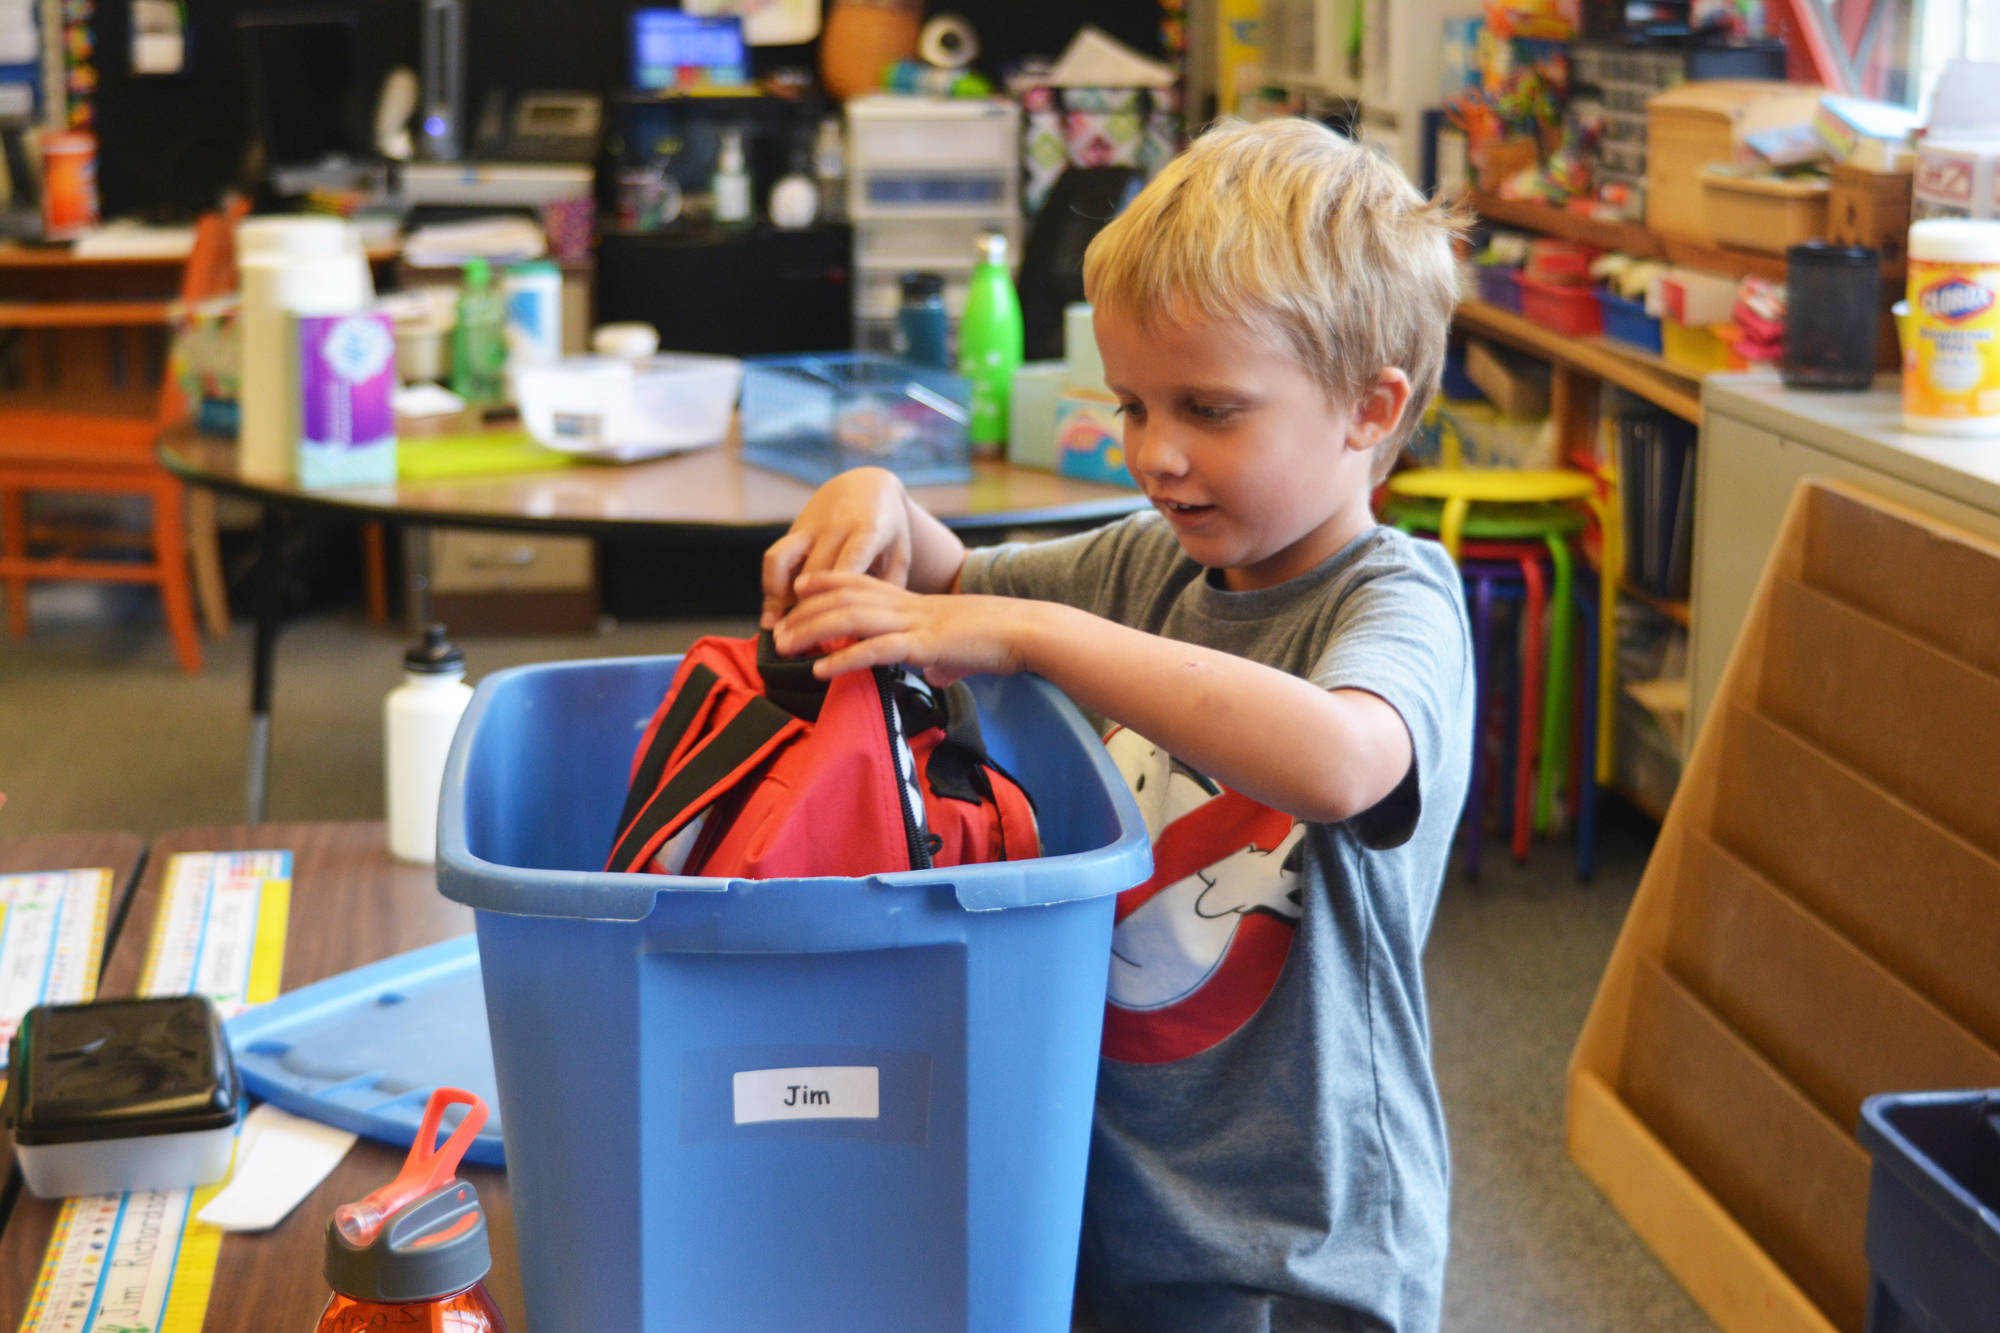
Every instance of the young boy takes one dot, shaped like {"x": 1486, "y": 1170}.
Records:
{"x": 1268, "y": 1151}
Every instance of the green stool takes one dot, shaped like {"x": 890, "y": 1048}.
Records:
{"x": 1554, "y": 525}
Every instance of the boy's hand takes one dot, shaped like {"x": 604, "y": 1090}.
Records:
{"x": 858, "y": 522}
{"x": 948, "y": 637}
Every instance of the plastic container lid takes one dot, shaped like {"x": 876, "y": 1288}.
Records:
{"x": 922, "y": 286}
{"x": 119, "y": 1069}
{"x": 1976, "y": 240}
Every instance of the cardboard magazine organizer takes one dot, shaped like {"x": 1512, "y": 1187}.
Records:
{"x": 1820, "y": 919}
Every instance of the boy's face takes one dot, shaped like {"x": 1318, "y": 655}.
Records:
{"x": 1258, "y": 474}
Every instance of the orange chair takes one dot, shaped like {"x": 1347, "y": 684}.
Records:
{"x": 103, "y": 398}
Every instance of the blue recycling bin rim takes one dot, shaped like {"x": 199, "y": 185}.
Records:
{"x": 1892, "y": 1148}
{"x": 600, "y": 895}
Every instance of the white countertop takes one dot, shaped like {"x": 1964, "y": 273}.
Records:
{"x": 1866, "y": 427}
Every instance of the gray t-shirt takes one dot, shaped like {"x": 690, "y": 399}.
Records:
{"x": 1269, "y": 1149}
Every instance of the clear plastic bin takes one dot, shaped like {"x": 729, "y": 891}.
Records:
{"x": 813, "y": 416}
{"x": 648, "y": 1031}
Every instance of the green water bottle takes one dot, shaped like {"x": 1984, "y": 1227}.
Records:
{"x": 989, "y": 345}
{"x": 479, "y": 341}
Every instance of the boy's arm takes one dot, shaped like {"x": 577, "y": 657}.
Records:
{"x": 1316, "y": 754}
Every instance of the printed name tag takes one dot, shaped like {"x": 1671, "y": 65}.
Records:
{"x": 822, "y": 1092}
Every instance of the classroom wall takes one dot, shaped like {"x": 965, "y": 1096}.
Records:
{"x": 169, "y": 144}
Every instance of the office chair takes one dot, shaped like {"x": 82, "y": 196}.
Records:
{"x": 1081, "y": 201}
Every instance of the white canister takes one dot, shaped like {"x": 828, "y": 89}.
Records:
{"x": 532, "y": 293}
{"x": 1951, "y": 359}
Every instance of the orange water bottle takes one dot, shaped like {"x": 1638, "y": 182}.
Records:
{"x": 413, "y": 1253}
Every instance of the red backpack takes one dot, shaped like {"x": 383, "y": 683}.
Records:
{"x": 752, "y": 768}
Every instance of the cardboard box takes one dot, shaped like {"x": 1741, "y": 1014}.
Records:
{"x": 1516, "y": 384}
{"x": 1818, "y": 921}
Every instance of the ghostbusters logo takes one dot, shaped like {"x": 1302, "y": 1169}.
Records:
{"x": 1198, "y": 947}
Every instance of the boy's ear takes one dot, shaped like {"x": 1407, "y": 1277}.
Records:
{"x": 1379, "y": 410}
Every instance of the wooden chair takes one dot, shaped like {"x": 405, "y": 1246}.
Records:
{"x": 95, "y": 393}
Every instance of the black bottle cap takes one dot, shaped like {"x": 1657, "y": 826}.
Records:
{"x": 922, "y": 286}
{"x": 435, "y": 655}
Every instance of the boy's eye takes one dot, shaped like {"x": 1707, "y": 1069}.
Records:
{"x": 1136, "y": 411}
{"x": 1212, "y": 412}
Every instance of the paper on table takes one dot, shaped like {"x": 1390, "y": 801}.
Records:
{"x": 280, "y": 1157}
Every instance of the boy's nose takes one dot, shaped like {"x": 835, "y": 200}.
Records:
{"x": 1154, "y": 453}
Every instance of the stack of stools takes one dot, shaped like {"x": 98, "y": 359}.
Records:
{"x": 1512, "y": 534}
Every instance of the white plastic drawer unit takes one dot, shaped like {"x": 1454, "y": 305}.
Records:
{"x": 888, "y": 133}
{"x": 937, "y": 244}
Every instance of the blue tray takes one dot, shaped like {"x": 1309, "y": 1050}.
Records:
{"x": 364, "y": 1050}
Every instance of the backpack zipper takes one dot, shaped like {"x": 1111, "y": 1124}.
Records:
{"x": 899, "y": 750}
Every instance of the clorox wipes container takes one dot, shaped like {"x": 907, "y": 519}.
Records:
{"x": 1951, "y": 362}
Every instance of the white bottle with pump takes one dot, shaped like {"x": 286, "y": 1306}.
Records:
{"x": 419, "y": 718}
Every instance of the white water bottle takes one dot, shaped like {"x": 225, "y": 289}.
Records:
{"x": 419, "y": 717}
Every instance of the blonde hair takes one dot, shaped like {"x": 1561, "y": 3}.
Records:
{"x": 1304, "y": 236}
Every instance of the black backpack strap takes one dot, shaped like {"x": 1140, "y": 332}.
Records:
{"x": 699, "y": 683}
{"x": 716, "y": 765}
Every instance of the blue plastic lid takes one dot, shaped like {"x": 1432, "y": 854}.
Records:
{"x": 364, "y": 1050}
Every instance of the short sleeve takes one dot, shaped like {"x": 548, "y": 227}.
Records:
{"x": 1079, "y": 570}
{"x": 1401, "y": 636}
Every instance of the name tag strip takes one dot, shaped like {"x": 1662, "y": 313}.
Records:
{"x": 140, "y": 1260}
{"x": 52, "y": 927}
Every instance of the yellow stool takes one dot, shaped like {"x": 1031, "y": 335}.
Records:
{"x": 1461, "y": 488}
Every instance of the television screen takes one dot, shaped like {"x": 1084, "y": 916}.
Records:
{"x": 672, "y": 49}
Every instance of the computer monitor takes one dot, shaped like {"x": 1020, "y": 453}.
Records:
{"x": 673, "y": 49}
{"x": 306, "y": 94}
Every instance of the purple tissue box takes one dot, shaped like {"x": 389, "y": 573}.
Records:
{"x": 347, "y": 377}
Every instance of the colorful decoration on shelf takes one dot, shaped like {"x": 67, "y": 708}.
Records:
{"x": 1094, "y": 127}
{"x": 79, "y": 62}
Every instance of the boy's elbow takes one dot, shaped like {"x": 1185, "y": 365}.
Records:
{"x": 1341, "y": 797}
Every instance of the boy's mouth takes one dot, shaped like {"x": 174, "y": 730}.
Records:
{"x": 1177, "y": 507}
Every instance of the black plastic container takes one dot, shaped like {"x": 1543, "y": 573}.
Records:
{"x": 1833, "y": 298}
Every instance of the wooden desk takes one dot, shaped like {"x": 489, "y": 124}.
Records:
{"x": 351, "y": 904}
{"x": 708, "y": 495}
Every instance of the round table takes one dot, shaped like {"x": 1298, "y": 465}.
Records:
{"x": 708, "y": 495}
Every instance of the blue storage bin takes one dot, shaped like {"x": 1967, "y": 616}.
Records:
{"x": 1933, "y": 1211}
{"x": 1499, "y": 285}
{"x": 641, "y": 1022}
{"x": 1627, "y": 322}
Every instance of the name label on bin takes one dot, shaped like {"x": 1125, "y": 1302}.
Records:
{"x": 805, "y": 1090}
{"x": 821, "y": 1092}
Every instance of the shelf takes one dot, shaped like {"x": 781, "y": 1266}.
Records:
{"x": 1665, "y": 390}
{"x": 1635, "y": 239}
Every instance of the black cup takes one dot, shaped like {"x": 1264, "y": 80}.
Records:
{"x": 1833, "y": 297}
